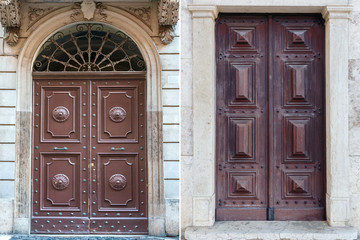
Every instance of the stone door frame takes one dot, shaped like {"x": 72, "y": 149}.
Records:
{"x": 201, "y": 201}
{"x": 141, "y": 34}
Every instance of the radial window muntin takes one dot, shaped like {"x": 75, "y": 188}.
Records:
{"x": 89, "y": 47}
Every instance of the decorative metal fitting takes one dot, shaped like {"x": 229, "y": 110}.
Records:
{"x": 117, "y": 114}
{"x": 60, "y": 182}
{"x": 60, "y": 114}
{"x": 117, "y": 182}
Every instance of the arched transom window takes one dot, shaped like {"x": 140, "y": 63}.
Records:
{"x": 89, "y": 47}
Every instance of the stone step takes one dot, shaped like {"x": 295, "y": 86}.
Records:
{"x": 271, "y": 230}
{"x": 36, "y": 237}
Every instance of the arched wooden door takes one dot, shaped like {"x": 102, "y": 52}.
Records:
{"x": 89, "y": 134}
{"x": 270, "y": 117}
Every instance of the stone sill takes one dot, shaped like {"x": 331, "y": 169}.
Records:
{"x": 271, "y": 230}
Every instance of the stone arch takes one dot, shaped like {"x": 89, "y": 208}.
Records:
{"x": 140, "y": 33}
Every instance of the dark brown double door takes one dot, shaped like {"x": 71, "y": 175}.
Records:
{"x": 89, "y": 153}
{"x": 270, "y": 117}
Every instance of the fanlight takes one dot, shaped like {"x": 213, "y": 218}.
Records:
{"x": 89, "y": 47}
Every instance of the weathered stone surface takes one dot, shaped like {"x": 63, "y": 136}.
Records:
{"x": 6, "y": 215}
{"x": 354, "y": 109}
{"x": 172, "y": 217}
{"x": 274, "y": 230}
{"x": 355, "y": 35}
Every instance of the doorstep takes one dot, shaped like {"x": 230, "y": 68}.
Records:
{"x": 270, "y": 230}
{"x": 82, "y": 237}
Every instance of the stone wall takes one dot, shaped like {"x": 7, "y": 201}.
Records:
{"x": 169, "y": 56}
{"x": 8, "y": 64}
{"x": 354, "y": 112}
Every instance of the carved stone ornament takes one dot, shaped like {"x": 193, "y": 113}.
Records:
{"x": 168, "y": 17}
{"x": 36, "y": 13}
{"x": 143, "y": 13}
{"x": 88, "y": 10}
{"x": 168, "y": 12}
{"x": 117, "y": 114}
{"x": 10, "y": 19}
{"x": 166, "y": 34}
{"x": 12, "y": 35}
{"x": 60, "y": 181}
{"x": 117, "y": 182}
{"x": 60, "y": 114}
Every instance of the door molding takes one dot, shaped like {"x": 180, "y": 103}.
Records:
{"x": 204, "y": 109}
{"x": 138, "y": 31}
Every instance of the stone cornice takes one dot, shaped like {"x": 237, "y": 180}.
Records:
{"x": 336, "y": 12}
{"x": 199, "y": 11}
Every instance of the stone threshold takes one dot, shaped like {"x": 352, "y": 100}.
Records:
{"x": 271, "y": 230}
{"x": 82, "y": 237}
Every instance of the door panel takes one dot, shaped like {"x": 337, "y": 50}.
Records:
{"x": 119, "y": 122}
{"x": 270, "y": 122}
{"x": 241, "y": 119}
{"x": 60, "y": 111}
{"x": 298, "y": 127}
{"x": 89, "y": 158}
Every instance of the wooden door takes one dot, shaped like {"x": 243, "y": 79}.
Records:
{"x": 270, "y": 117}
{"x": 89, "y": 157}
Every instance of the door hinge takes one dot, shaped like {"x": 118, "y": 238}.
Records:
{"x": 270, "y": 214}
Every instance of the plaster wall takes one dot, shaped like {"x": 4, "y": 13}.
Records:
{"x": 170, "y": 117}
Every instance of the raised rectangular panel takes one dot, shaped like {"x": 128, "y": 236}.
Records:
{"x": 241, "y": 184}
{"x": 60, "y": 114}
{"x": 60, "y": 178}
{"x": 297, "y": 38}
{"x": 244, "y": 83}
{"x": 298, "y": 184}
{"x": 118, "y": 114}
{"x": 298, "y": 82}
{"x": 120, "y": 186}
{"x": 242, "y": 38}
{"x": 242, "y": 142}
{"x": 297, "y": 138}
{"x": 298, "y": 90}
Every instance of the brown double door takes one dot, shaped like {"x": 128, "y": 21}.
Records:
{"x": 89, "y": 153}
{"x": 270, "y": 117}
